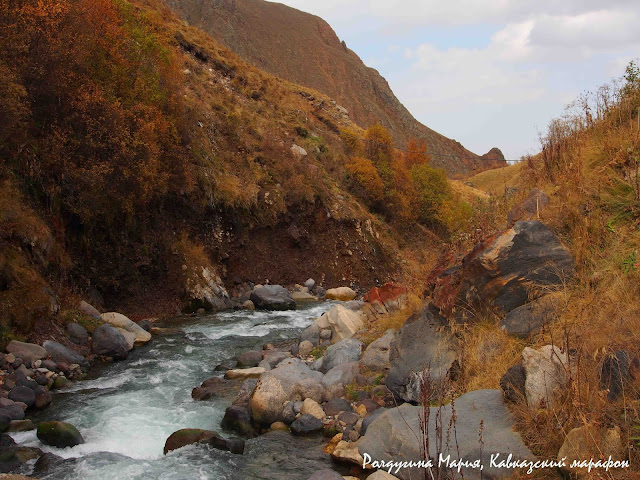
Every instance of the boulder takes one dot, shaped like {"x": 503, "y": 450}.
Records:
{"x": 512, "y": 383}
{"x": 291, "y": 380}
{"x": 618, "y": 373}
{"x": 189, "y": 436}
{"x": 237, "y": 418}
{"x": 60, "y": 353}
{"x": 146, "y": 324}
{"x": 241, "y": 373}
{"x": 310, "y": 284}
{"x": 28, "y": 352}
{"x": 532, "y": 316}
{"x": 591, "y": 442}
{"x": 43, "y": 399}
{"x": 130, "y": 337}
{"x": 272, "y": 297}
{"x": 376, "y": 356}
{"x": 546, "y": 371}
{"x": 344, "y": 323}
{"x": 347, "y": 350}
{"x": 274, "y": 357}
{"x": 381, "y": 475}
{"x": 335, "y": 379}
{"x": 298, "y": 152}
{"x": 341, "y": 293}
{"x": 14, "y": 411}
{"x": 310, "y": 334}
{"x": 336, "y": 406}
{"x": 391, "y": 296}
{"x": 306, "y": 424}
{"x": 244, "y": 392}
{"x": 325, "y": 474}
{"x": 529, "y": 207}
{"x": 503, "y": 273}
{"x": 21, "y": 426}
{"x": 395, "y": 435}
{"x": 311, "y": 407}
{"x": 59, "y": 434}
{"x": 108, "y": 341}
{"x": 23, "y": 394}
{"x": 347, "y": 452}
{"x": 305, "y": 348}
{"x": 204, "y": 289}
{"x": 210, "y": 388}
{"x": 421, "y": 348}
{"x": 120, "y": 321}
{"x": 249, "y": 359}
{"x": 77, "y": 333}
{"x": 89, "y": 309}
{"x": 302, "y": 297}
{"x": 248, "y": 305}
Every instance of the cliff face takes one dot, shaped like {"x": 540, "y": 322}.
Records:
{"x": 304, "y": 49}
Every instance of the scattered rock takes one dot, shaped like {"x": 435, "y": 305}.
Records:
{"x": 305, "y": 425}
{"x": 311, "y": 334}
{"x": 347, "y": 350}
{"x": 339, "y": 376}
{"x": 341, "y": 293}
{"x": 189, "y": 436}
{"x": 145, "y": 324}
{"x": 272, "y": 297}
{"x": 591, "y": 442}
{"x": 59, "y": 434}
{"x": 60, "y": 353}
{"x": 336, "y": 406}
{"x": 312, "y": 407}
{"x": 24, "y": 395}
{"x": 254, "y": 372}
{"x": 344, "y": 323}
{"x": 21, "y": 426}
{"x": 279, "y": 426}
{"x": 108, "y": 341}
{"x": 302, "y": 297}
{"x": 546, "y": 371}
{"x": 248, "y": 305}
{"x": 347, "y": 452}
{"x": 325, "y": 474}
{"x": 310, "y": 284}
{"x": 212, "y": 387}
{"x": 120, "y": 321}
{"x": 305, "y": 348}
{"x": 421, "y": 345}
{"x": 249, "y": 359}
{"x": 237, "y": 418}
{"x": 298, "y": 152}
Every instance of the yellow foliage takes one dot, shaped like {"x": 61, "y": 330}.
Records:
{"x": 367, "y": 179}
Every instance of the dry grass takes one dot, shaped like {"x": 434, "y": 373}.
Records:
{"x": 494, "y": 182}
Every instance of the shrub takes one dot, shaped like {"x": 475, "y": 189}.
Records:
{"x": 367, "y": 181}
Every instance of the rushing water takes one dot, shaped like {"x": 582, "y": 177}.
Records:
{"x": 128, "y": 410}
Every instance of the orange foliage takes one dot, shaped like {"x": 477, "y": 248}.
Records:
{"x": 416, "y": 153}
{"x": 367, "y": 180}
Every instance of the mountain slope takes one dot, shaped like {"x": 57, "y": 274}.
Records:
{"x": 304, "y": 49}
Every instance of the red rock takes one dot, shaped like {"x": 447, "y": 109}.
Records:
{"x": 387, "y": 292}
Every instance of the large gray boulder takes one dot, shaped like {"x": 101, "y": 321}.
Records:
{"x": 29, "y": 352}
{"x": 503, "y": 273}
{"x": 120, "y": 321}
{"x": 291, "y": 380}
{"x": 335, "y": 379}
{"x": 272, "y": 297}
{"x": 547, "y": 372}
{"x": 77, "y": 333}
{"x": 59, "y": 353}
{"x": 376, "y": 356}
{"x": 532, "y": 316}
{"x": 108, "y": 341}
{"x": 480, "y": 416}
{"x": 421, "y": 345}
{"x": 347, "y": 350}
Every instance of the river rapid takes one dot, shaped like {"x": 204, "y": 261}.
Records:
{"x": 126, "y": 410}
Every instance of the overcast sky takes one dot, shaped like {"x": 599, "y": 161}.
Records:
{"x": 488, "y": 72}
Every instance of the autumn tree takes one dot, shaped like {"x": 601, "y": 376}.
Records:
{"x": 416, "y": 153}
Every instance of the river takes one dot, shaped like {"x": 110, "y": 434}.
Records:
{"x": 126, "y": 410}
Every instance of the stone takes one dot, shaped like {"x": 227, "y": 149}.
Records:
{"x": 43, "y": 400}
{"x": 291, "y": 380}
{"x": 274, "y": 357}
{"x": 391, "y": 296}
{"x": 395, "y": 435}
{"x": 305, "y": 348}
{"x": 336, "y": 406}
{"x": 77, "y": 333}
{"x": 242, "y": 373}
{"x": 15, "y": 411}
{"x": 376, "y": 355}
{"x": 421, "y": 348}
{"x": 249, "y": 359}
{"x": 346, "y": 350}
{"x": 130, "y": 338}
{"x": 298, "y": 152}
{"x": 210, "y": 388}
{"x": 531, "y": 317}
{"x": 325, "y": 474}
{"x": 302, "y": 297}
{"x": 89, "y": 309}
{"x": 244, "y": 392}
{"x": 272, "y": 297}
{"x": 108, "y": 341}
{"x": 347, "y": 452}
{"x": 310, "y": 284}
{"x": 512, "y": 383}
{"x": 312, "y": 407}
{"x": 591, "y": 442}
{"x": 341, "y": 293}
{"x": 306, "y": 424}
{"x": 204, "y": 289}
{"x": 120, "y": 321}
{"x": 23, "y": 394}
{"x": 146, "y": 324}
{"x": 59, "y": 434}
{"x": 344, "y": 323}
{"x": 237, "y": 418}
{"x": 381, "y": 475}
{"x": 189, "y": 436}
{"x": 529, "y": 207}
{"x": 279, "y": 426}
{"x": 21, "y": 426}
{"x": 335, "y": 379}
{"x": 546, "y": 371}
{"x": 502, "y": 273}
{"x": 29, "y": 352}
{"x": 61, "y": 382}
{"x": 248, "y": 305}
{"x": 616, "y": 374}
{"x": 60, "y": 353}
{"x": 368, "y": 420}
{"x": 311, "y": 334}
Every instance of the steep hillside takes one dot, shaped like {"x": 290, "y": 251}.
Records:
{"x": 304, "y": 49}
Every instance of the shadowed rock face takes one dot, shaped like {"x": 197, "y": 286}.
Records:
{"x": 504, "y": 272}
{"x": 304, "y": 49}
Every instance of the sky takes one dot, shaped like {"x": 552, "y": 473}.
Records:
{"x": 488, "y": 73}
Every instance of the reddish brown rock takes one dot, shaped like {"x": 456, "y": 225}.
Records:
{"x": 389, "y": 295}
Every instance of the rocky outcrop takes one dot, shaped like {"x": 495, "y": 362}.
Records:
{"x": 204, "y": 289}
{"x": 503, "y": 273}
{"x": 390, "y": 296}
{"x": 422, "y": 347}
{"x": 120, "y": 321}
{"x": 395, "y": 435}
{"x": 272, "y": 297}
{"x": 344, "y": 323}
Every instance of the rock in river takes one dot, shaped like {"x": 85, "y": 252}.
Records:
{"x": 59, "y": 434}
{"x": 272, "y": 297}
{"x": 107, "y": 340}
{"x": 120, "y": 321}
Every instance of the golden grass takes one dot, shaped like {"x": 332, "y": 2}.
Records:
{"x": 495, "y": 181}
